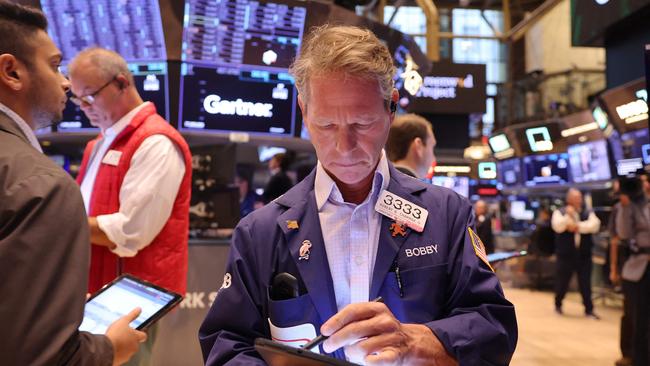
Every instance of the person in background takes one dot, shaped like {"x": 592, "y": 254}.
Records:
{"x": 484, "y": 225}
{"x": 44, "y": 249}
{"x": 248, "y": 199}
{"x": 135, "y": 179}
{"x": 442, "y": 303}
{"x": 279, "y": 183}
{"x": 574, "y": 227}
{"x": 633, "y": 227}
{"x": 410, "y": 145}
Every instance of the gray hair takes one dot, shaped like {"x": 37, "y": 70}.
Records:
{"x": 351, "y": 50}
{"x": 108, "y": 63}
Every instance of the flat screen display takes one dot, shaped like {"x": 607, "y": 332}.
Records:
{"x": 120, "y": 297}
{"x": 499, "y": 143}
{"x": 487, "y": 170}
{"x": 627, "y": 105}
{"x": 236, "y": 55}
{"x": 131, "y": 28}
{"x": 589, "y": 162}
{"x": 510, "y": 173}
{"x": 546, "y": 169}
{"x": 151, "y": 82}
{"x": 459, "y": 185}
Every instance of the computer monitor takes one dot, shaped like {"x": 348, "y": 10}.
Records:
{"x": 131, "y": 28}
{"x": 589, "y": 162}
{"x": 151, "y": 81}
{"x": 510, "y": 172}
{"x": 550, "y": 169}
{"x": 631, "y": 151}
{"x": 234, "y": 75}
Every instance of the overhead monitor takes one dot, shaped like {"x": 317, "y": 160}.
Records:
{"x": 539, "y": 139}
{"x": 151, "y": 81}
{"x": 510, "y": 173}
{"x": 131, "y": 28}
{"x": 500, "y": 145}
{"x": 600, "y": 117}
{"x": 631, "y": 151}
{"x": 627, "y": 105}
{"x": 459, "y": 185}
{"x": 550, "y": 169}
{"x": 487, "y": 170}
{"x": 236, "y": 56}
{"x": 589, "y": 162}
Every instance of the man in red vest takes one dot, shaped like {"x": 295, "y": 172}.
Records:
{"x": 134, "y": 177}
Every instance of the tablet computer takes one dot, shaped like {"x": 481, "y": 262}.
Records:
{"x": 502, "y": 256}
{"x": 278, "y": 354}
{"x": 119, "y": 297}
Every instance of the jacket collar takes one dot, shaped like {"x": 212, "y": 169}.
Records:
{"x": 12, "y": 123}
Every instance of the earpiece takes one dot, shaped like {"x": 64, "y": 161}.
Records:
{"x": 393, "y": 106}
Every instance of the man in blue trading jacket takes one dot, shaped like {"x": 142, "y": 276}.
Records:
{"x": 443, "y": 305}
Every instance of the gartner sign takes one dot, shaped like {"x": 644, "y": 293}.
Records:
{"x": 451, "y": 89}
{"x": 213, "y": 104}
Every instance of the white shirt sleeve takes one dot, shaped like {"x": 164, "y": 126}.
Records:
{"x": 146, "y": 197}
{"x": 559, "y": 221}
{"x": 589, "y": 226}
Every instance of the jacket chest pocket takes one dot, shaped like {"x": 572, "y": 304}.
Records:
{"x": 294, "y": 321}
{"x": 423, "y": 293}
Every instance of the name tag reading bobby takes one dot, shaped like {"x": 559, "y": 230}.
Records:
{"x": 112, "y": 157}
{"x": 402, "y": 210}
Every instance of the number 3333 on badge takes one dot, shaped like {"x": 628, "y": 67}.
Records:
{"x": 402, "y": 210}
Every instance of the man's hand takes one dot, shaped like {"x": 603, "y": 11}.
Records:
{"x": 571, "y": 226}
{"x": 371, "y": 333}
{"x": 97, "y": 236}
{"x": 570, "y": 210}
{"x": 125, "y": 339}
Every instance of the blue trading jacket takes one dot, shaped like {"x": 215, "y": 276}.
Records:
{"x": 445, "y": 285}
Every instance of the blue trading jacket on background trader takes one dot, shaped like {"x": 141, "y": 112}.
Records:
{"x": 446, "y": 286}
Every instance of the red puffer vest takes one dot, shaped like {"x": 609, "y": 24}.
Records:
{"x": 164, "y": 261}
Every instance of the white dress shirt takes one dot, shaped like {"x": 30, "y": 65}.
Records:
{"x": 24, "y": 127}
{"x": 350, "y": 233}
{"x": 148, "y": 191}
{"x": 559, "y": 224}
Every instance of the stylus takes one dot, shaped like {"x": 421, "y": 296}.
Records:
{"x": 321, "y": 338}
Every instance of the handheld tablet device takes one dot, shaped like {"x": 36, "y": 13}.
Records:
{"x": 278, "y": 354}
{"x": 119, "y": 297}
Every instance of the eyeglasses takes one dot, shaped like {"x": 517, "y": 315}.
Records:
{"x": 90, "y": 98}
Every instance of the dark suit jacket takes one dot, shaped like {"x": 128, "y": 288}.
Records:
{"x": 44, "y": 259}
{"x": 484, "y": 231}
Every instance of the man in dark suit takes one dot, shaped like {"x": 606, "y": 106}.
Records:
{"x": 574, "y": 227}
{"x": 279, "y": 183}
{"x": 410, "y": 145}
{"x": 44, "y": 242}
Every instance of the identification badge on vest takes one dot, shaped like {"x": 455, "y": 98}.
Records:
{"x": 402, "y": 210}
{"x": 112, "y": 157}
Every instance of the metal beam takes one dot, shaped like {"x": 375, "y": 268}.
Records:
{"x": 433, "y": 28}
{"x": 521, "y": 28}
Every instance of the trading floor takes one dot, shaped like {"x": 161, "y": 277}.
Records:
{"x": 546, "y": 338}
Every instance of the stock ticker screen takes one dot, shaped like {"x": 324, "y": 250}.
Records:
{"x": 131, "y": 28}
{"x": 235, "y": 57}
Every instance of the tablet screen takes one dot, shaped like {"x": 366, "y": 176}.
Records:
{"x": 119, "y": 298}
